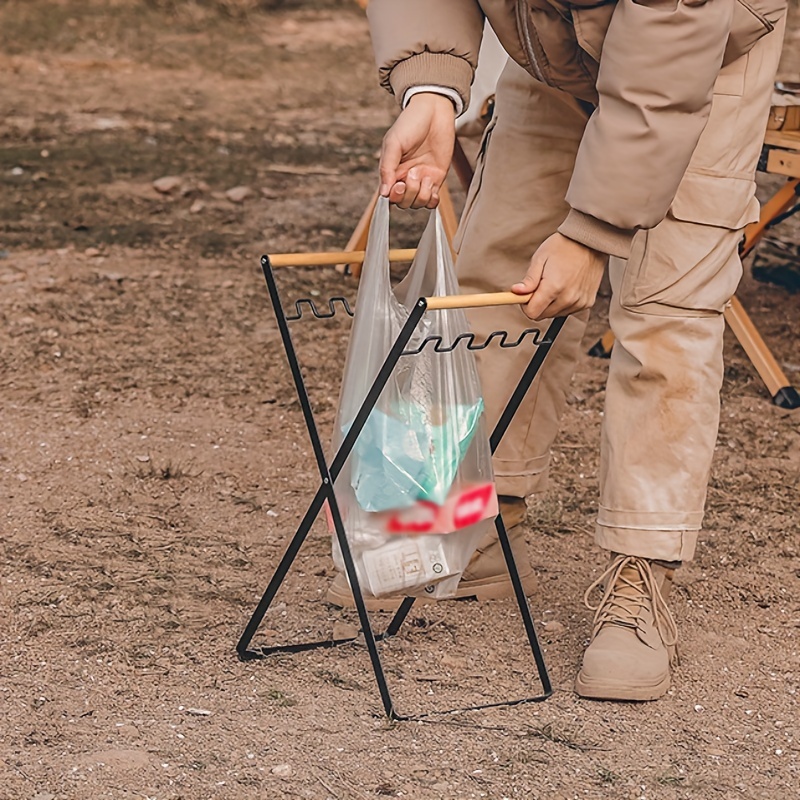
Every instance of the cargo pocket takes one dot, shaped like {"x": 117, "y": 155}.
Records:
{"x": 475, "y": 183}
{"x": 688, "y": 265}
{"x": 752, "y": 19}
{"x": 731, "y": 78}
{"x": 724, "y": 202}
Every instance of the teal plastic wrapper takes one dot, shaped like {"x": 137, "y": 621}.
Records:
{"x": 405, "y": 457}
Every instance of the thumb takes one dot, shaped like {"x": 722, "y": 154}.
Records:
{"x": 391, "y": 153}
{"x": 533, "y": 277}
{"x": 526, "y": 286}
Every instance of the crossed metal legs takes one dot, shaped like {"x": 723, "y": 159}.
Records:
{"x": 329, "y": 472}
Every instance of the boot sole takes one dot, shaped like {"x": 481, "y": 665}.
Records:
{"x": 480, "y": 590}
{"x": 605, "y": 690}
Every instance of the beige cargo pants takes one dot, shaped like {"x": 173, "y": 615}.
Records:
{"x": 662, "y": 396}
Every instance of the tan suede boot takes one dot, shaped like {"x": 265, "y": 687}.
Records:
{"x": 485, "y": 578}
{"x": 634, "y": 636}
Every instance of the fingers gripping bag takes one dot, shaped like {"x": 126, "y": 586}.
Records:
{"x": 417, "y": 492}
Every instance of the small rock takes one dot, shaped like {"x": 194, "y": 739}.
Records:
{"x": 199, "y": 712}
{"x": 168, "y": 184}
{"x": 283, "y": 770}
{"x": 143, "y": 459}
{"x": 239, "y": 194}
{"x": 453, "y": 662}
{"x": 197, "y": 207}
{"x": 44, "y": 796}
{"x": 91, "y": 252}
{"x": 227, "y": 284}
{"x": 269, "y": 193}
{"x": 109, "y": 124}
{"x": 344, "y": 630}
{"x": 17, "y": 171}
{"x": 553, "y": 626}
{"x": 117, "y": 759}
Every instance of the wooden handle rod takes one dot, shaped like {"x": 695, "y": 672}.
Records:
{"x": 325, "y": 259}
{"x": 477, "y": 300}
{"x": 434, "y": 303}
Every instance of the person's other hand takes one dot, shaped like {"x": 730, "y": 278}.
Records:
{"x": 563, "y": 278}
{"x": 417, "y": 150}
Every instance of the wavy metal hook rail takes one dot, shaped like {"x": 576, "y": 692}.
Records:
{"x": 435, "y": 340}
{"x": 469, "y": 338}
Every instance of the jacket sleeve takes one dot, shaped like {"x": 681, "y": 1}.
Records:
{"x": 658, "y": 66}
{"x": 426, "y": 42}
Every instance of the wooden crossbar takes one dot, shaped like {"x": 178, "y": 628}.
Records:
{"x": 333, "y": 258}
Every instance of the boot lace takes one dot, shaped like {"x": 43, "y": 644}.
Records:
{"x": 627, "y": 594}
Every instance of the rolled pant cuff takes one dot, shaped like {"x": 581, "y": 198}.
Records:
{"x": 516, "y": 479}
{"x": 661, "y": 545}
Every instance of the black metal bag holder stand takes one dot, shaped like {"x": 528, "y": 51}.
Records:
{"x": 329, "y": 472}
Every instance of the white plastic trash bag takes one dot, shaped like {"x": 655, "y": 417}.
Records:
{"x": 417, "y": 493}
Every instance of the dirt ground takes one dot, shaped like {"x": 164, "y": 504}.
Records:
{"x": 153, "y": 460}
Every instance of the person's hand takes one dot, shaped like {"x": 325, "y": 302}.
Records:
{"x": 563, "y": 277}
{"x": 417, "y": 150}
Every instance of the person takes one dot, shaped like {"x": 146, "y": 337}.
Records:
{"x": 626, "y": 135}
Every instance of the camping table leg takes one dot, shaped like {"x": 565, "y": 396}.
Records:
{"x": 783, "y": 393}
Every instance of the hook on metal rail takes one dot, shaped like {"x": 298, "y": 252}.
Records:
{"x": 315, "y": 310}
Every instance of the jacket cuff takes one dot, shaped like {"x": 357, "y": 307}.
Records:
{"x": 438, "y": 69}
{"x": 451, "y": 94}
{"x": 598, "y": 235}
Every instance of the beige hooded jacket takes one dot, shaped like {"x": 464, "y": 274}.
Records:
{"x": 649, "y": 67}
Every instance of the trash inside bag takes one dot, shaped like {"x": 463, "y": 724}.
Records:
{"x": 407, "y": 456}
{"x": 428, "y": 566}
